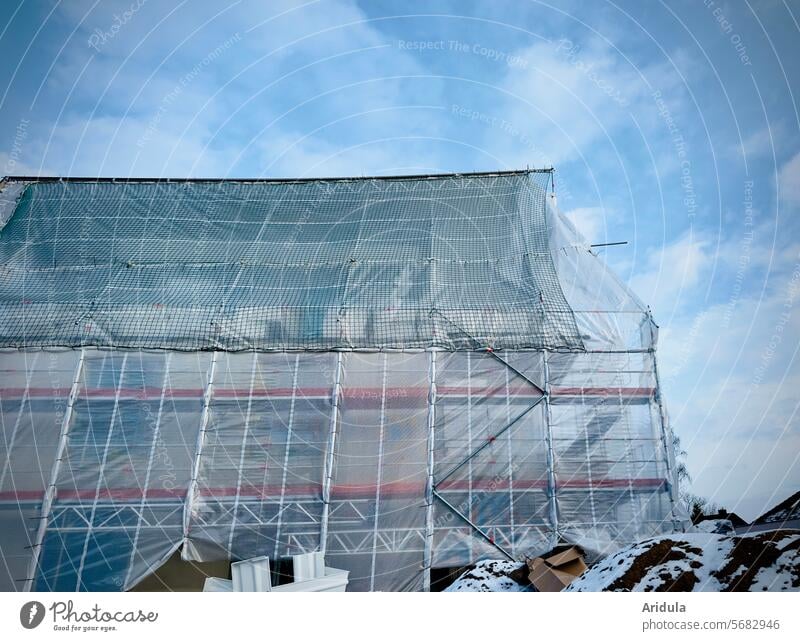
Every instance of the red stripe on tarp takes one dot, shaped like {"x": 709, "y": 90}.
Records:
{"x": 47, "y": 392}
{"x": 300, "y": 392}
{"x": 490, "y": 484}
{"x": 644, "y": 392}
{"x": 264, "y": 491}
{"x": 144, "y": 393}
{"x": 122, "y": 493}
{"x": 600, "y": 483}
{"x": 523, "y": 484}
{"x": 22, "y": 495}
{"x": 502, "y": 390}
{"x": 105, "y": 493}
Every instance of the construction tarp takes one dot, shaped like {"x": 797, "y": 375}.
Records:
{"x": 493, "y": 414}
{"x": 274, "y": 265}
{"x": 159, "y": 455}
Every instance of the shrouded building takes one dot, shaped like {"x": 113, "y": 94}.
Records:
{"x": 409, "y": 373}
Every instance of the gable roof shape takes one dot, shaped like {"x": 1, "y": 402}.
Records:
{"x": 443, "y": 260}
{"x": 786, "y": 510}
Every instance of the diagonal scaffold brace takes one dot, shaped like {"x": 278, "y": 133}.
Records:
{"x": 490, "y": 440}
{"x": 477, "y": 529}
{"x": 488, "y": 350}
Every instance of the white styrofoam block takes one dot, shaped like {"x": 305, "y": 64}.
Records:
{"x": 251, "y": 575}
{"x": 308, "y": 566}
{"x": 215, "y": 584}
{"x": 333, "y": 581}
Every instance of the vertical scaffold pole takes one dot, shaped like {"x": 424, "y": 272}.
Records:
{"x": 50, "y": 492}
{"x": 286, "y": 457}
{"x": 427, "y": 560}
{"x": 665, "y": 442}
{"x": 551, "y": 459}
{"x": 470, "y": 503}
{"x": 201, "y": 437}
{"x": 329, "y": 458}
{"x": 379, "y": 473}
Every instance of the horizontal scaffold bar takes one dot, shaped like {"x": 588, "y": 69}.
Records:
{"x": 348, "y": 393}
{"x": 338, "y": 492}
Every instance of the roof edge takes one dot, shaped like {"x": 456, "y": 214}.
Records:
{"x": 108, "y": 179}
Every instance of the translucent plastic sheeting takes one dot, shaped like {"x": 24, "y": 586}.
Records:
{"x": 377, "y": 512}
{"x": 614, "y": 480}
{"x": 259, "y": 489}
{"x": 316, "y": 264}
{"x": 9, "y": 197}
{"x": 161, "y": 454}
{"x": 503, "y": 488}
{"x": 608, "y": 315}
{"x": 34, "y": 387}
{"x": 121, "y": 485}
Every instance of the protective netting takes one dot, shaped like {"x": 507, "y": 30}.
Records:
{"x": 318, "y": 264}
{"x": 213, "y": 438}
{"x": 225, "y": 454}
{"x": 608, "y": 315}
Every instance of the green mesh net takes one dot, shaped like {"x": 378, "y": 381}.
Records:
{"x": 444, "y": 261}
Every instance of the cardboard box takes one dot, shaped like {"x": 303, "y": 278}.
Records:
{"x": 555, "y": 571}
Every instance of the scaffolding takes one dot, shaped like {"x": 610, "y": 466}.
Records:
{"x": 404, "y": 373}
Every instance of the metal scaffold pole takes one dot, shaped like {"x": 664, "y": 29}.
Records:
{"x": 427, "y": 559}
{"x": 329, "y": 459}
{"x": 201, "y": 437}
{"x": 286, "y": 455}
{"x": 665, "y": 441}
{"x": 551, "y": 460}
{"x": 379, "y": 473}
{"x": 50, "y": 493}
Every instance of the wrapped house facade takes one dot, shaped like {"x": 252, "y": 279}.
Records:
{"x": 407, "y": 373}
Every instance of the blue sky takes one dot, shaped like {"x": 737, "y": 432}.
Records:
{"x": 673, "y": 126}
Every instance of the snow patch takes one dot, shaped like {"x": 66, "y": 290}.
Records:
{"x": 700, "y": 562}
{"x": 489, "y": 576}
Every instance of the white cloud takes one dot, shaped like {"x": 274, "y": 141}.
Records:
{"x": 730, "y": 384}
{"x": 560, "y": 101}
{"x": 289, "y": 154}
{"x": 761, "y": 141}
{"x": 278, "y": 101}
{"x": 591, "y": 222}
{"x": 789, "y": 181}
{"x": 729, "y": 368}
{"x": 572, "y": 101}
{"x": 670, "y": 274}
{"x": 11, "y": 165}
{"x": 108, "y": 146}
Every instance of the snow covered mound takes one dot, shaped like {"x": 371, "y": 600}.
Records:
{"x": 700, "y": 562}
{"x": 492, "y": 576}
{"x": 714, "y": 526}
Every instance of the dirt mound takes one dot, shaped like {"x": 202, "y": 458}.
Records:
{"x": 699, "y": 562}
{"x": 493, "y": 576}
